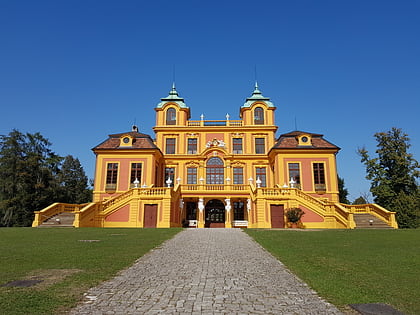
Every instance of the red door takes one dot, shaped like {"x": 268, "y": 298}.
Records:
{"x": 277, "y": 216}
{"x": 150, "y": 216}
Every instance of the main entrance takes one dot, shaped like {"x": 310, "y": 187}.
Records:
{"x": 215, "y": 214}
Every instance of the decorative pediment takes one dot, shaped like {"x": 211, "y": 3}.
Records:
{"x": 216, "y": 143}
{"x": 192, "y": 164}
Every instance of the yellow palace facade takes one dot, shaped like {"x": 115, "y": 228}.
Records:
{"x": 214, "y": 173}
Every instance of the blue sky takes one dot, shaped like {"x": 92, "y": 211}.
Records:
{"x": 77, "y": 71}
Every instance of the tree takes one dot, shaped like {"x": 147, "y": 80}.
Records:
{"x": 32, "y": 176}
{"x": 393, "y": 175}
{"x": 27, "y": 182}
{"x": 360, "y": 201}
{"x": 73, "y": 181}
{"x": 342, "y": 192}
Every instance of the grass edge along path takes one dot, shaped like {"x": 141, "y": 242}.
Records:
{"x": 88, "y": 255}
{"x": 352, "y": 266}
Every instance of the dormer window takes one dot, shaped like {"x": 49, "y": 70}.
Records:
{"x": 171, "y": 116}
{"x": 304, "y": 140}
{"x": 126, "y": 141}
{"x": 259, "y": 116}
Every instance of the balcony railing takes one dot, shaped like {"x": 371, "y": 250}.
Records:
{"x": 205, "y": 187}
{"x": 212, "y": 123}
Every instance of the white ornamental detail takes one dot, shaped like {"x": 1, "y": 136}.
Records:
{"x": 216, "y": 143}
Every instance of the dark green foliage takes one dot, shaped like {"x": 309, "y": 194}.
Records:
{"x": 73, "y": 181}
{"x": 342, "y": 192}
{"x": 393, "y": 174}
{"x": 294, "y": 214}
{"x": 360, "y": 201}
{"x": 30, "y": 178}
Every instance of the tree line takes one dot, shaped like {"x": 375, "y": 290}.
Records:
{"x": 32, "y": 177}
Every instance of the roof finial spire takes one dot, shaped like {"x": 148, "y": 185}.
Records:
{"x": 173, "y": 90}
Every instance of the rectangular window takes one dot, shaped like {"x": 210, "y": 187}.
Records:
{"x": 170, "y": 146}
{"x": 169, "y": 173}
{"x": 135, "y": 172}
{"x": 259, "y": 145}
{"x": 294, "y": 173}
{"x": 192, "y": 175}
{"x": 319, "y": 176}
{"x": 260, "y": 173}
{"x": 111, "y": 175}
{"x": 192, "y": 146}
{"x": 238, "y": 175}
{"x": 237, "y": 145}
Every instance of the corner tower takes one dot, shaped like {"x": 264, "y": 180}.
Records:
{"x": 257, "y": 110}
{"x": 172, "y": 111}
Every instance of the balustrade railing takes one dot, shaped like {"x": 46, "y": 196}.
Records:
{"x": 198, "y": 123}
{"x": 214, "y": 187}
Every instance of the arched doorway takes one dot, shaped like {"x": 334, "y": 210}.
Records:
{"x": 215, "y": 171}
{"x": 215, "y": 214}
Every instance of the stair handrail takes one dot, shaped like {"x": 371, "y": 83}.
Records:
{"x": 52, "y": 210}
{"x": 81, "y": 216}
{"x": 376, "y": 210}
{"x": 344, "y": 215}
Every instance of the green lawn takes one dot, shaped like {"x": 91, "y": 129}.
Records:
{"x": 352, "y": 266}
{"x": 87, "y": 255}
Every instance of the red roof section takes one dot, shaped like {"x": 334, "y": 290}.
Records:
{"x": 290, "y": 141}
{"x": 140, "y": 141}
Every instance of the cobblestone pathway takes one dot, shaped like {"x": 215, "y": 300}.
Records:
{"x": 205, "y": 271}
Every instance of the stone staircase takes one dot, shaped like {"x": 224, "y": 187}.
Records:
{"x": 369, "y": 221}
{"x": 63, "y": 219}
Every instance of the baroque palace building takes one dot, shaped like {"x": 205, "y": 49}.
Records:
{"x": 214, "y": 173}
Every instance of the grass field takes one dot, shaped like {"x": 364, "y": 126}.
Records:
{"x": 343, "y": 266}
{"x": 352, "y": 266}
{"x": 69, "y": 260}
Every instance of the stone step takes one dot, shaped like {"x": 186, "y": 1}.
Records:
{"x": 369, "y": 221}
{"x": 64, "y": 219}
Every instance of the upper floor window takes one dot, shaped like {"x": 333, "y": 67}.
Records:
{"x": 319, "y": 173}
{"x": 238, "y": 175}
{"x": 260, "y": 173}
{"x": 111, "y": 175}
{"x": 259, "y": 145}
{"x": 135, "y": 172}
{"x": 171, "y": 116}
{"x": 170, "y": 146}
{"x": 237, "y": 145}
{"x": 294, "y": 173}
{"x": 192, "y": 175}
{"x": 259, "y": 116}
{"x": 192, "y": 146}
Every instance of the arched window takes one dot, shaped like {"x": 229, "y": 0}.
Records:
{"x": 259, "y": 116}
{"x": 171, "y": 116}
{"x": 215, "y": 171}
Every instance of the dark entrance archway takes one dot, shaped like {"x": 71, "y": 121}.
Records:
{"x": 215, "y": 214}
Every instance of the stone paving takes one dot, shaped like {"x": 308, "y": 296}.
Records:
{"x": 205, "y": 271}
